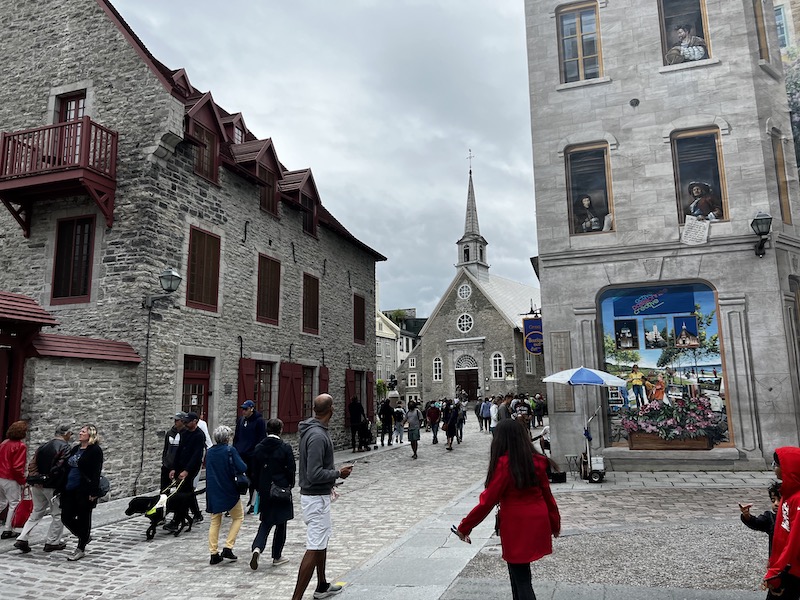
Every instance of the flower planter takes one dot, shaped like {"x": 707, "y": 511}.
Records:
{"x": 638, "y": 440}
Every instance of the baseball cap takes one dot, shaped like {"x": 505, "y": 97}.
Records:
{"x": 248, "y": 404}
{"x": 192, "y": 416}
{"x": 63, "y": 429}
{"x": 180, "y": 415}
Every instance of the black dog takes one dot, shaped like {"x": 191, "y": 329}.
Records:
{"x": 178, "y": 504}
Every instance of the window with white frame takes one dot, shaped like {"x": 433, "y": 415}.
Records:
{"x": 780, "y": 20}
{"x": 378, "y": 347}
{"x": 528, "y": 363}
{"x": 412, "y": 380}
{"x": 412, "y": 363}
{"x": 380, "y": 373}
{"x": 464, "y": 291}
{"x": 388, "y": 349}
{"x": 497, "y": 366}
{"x": 464, "y": 323}
{"x": 437, "y": 369}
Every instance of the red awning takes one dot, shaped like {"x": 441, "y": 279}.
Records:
{"x": 74, "y": 346}
{"x": 23, "y": 309}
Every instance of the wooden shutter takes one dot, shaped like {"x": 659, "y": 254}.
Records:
{"x": 247, "y": 379}
{"x": 370, "y": 395}
{"x": 310, "y": 304}
{"x": 290, "y": 396}
{"x": 324, "y": 379}
{"x": 359, "y": 319}
{"x": 349, "y": 392}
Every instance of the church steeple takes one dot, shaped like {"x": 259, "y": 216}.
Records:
{"x": 472, "y": 245}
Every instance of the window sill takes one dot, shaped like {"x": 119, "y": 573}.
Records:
{"x": 692, "y": 64}
{"x": 583, "y": 83}
{"x": 767, "y": 67}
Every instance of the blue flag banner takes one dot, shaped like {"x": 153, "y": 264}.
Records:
{"x": 655, "y": 301}
{"x": 534, "y": 339}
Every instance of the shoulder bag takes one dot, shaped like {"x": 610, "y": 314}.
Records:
{"x": 277, "y": 492}
{"x": 241, "y": 479}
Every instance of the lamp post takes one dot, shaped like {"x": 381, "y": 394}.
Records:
{"x": 761, "y": 225}
{"x": 169, "y": 280}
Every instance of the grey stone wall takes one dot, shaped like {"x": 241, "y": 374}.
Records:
{"x": 745, "y": 98}
{"x": 158, "y": 200}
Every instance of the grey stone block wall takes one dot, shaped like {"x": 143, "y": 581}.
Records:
{"x": 742, "y": 96}
{"x": 59, "y": 46}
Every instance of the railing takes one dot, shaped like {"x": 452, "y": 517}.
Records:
{"x": 76, "y": 144}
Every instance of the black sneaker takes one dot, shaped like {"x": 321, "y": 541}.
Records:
{"x": 215, "y": 559}
{"x": 228, "y": 553}
{"x": 254, "y": 559}
{"x": 171, "y": 526}
{"x": 22, "y": 545}
{"x": 198, "y": 518}
{"x": 55, "y": 547}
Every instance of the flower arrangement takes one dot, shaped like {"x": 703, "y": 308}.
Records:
{"x": 676, "y": 419}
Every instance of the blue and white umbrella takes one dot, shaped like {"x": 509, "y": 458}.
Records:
{"x": 584, "y": 376}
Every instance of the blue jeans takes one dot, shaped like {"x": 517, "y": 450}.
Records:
{"x": 435, "y": 431}
{"x": 278, "y": 540}
{"x": 398, "y": 432}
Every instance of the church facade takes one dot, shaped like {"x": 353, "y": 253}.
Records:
{"x": 473, "y": 340}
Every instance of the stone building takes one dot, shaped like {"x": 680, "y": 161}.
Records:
{"x": 650, "y": 166}
{"x": 473, "y": 339}
{"x": 114, "y": 167}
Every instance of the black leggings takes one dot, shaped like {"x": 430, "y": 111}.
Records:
{"x": 521, "y": 586}
{"x": 76, "y": 514}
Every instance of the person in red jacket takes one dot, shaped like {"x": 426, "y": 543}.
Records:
{"x": 783, "y": 574}
{"x": 529, "y": 517}
{"x": 13, "y": 454}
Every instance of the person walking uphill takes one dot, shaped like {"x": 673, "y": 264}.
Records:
{"x": 13, "y": 454}
{"x": 223, "y": 463}
{"x": 529, "y": 517}
{"x": 43, "y": 490}
{"x": 274, "y": 468}
{"x": 317, "y": 477}
{"x": 783, "y": 574}
{"x": 250, "y": 430}
{"x": 82, "y": 487}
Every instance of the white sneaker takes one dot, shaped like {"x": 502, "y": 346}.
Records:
{"x": 279, "y": 561}
{"x": 331, "y": 591}
{"x": 79, "y": 554}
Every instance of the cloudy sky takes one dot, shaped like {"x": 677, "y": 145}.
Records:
{"x": 382, "y": 100}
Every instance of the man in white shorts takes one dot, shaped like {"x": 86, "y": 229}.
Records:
{"x": 317, "y": 476}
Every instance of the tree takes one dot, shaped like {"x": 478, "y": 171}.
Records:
{"x": 616, "y": 356}
{"x": 709, "y": 345}
{"x": 381, "y": 388}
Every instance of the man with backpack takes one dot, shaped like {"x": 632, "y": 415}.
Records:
{"x": 45, "y": 461}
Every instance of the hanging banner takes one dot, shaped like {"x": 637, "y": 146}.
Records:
{"x": 534, "y": 339}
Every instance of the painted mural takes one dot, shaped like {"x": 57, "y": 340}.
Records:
{"x": 664, "y": 341}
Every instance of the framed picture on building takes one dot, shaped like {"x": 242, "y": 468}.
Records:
{"x": 686, "y": 332}
{"x": 626, "y": 334}
{"x": 655, "y": 333}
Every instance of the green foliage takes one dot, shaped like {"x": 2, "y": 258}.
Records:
{"x": 381, "y": 388}
{"x": 709, "y": 344}
{"x": 616, "y": 356}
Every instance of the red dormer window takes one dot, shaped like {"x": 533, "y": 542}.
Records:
{"x": 205, "y": 155}
{"x": 268, "y": 193}
{"x": 238, "y": 135}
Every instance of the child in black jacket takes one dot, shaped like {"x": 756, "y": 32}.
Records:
{"x": 766, "y": 521}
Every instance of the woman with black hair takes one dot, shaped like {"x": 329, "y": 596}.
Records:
{"x": 529, "y": 517}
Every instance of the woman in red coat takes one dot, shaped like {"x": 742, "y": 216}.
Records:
{"x": 529, "y": 519}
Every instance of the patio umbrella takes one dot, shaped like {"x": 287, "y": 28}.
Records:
{"x": 584, "y": 376}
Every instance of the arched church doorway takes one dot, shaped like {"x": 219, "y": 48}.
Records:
{"x": 467, "y": 376}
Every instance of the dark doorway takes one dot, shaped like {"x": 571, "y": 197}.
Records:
{"x": 196, "y": 380}
{"x": 467, "y": 380}
{"x": 6, "y": 403}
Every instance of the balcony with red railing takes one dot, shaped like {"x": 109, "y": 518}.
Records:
{"x": 55, "y": 161}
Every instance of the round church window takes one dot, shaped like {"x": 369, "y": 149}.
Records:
{"x": 465, "y": 323}
{"x": 464, "y": 291}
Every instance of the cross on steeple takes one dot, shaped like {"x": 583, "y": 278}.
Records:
{"x": 469, "y": 158}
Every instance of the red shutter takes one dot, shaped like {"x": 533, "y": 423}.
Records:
{"x": 290, "y": 396}
{"x": 247, "y": 379}
{"x": 324, "y": 379}
{"x": 370, "y": 395}
{"x": 349, "y": 392}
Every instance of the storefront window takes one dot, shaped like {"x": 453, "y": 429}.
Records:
{"x": 664, "y": 341}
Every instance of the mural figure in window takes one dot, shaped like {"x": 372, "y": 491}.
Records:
{"x": 687, "y": 47}
{"x": 588, "y": 218}
{"x": 703, "y": 205}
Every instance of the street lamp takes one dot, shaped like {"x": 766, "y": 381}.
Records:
{"x": 169, "y": 280}
{"x": 761, "y": 225}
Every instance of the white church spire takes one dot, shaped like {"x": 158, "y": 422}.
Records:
{"x": 472, "y": 245}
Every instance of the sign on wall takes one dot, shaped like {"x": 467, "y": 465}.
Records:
{"x": 534, "y": 339}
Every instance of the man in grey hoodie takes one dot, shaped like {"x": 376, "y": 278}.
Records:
{"x": 317, "y": 476}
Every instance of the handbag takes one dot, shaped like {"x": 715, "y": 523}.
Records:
{"x": 277, "y": 492}
{"x": 23, "y": 510}
{"x": 241, "y": 479}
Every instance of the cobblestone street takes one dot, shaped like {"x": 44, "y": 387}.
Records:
{"x": 387, "y": 495}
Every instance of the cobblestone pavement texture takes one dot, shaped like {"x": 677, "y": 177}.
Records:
{"x": 641, "y": 528}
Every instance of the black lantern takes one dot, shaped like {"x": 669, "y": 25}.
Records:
{"x": 761, "y": 225}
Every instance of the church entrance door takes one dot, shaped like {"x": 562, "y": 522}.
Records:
{"x": 467, "y": 380}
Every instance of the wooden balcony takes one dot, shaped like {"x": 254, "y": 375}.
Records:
{"x": 66, "y": 159}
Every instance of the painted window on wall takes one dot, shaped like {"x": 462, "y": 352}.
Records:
{"x": 675, "y": 342}
{"x": 699, "y": 179}
{"x": 579, "y": 42}
{"x": 588, "y": 189}
{"x": 684, "y": 32}
{"x": 780, "y": 21}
